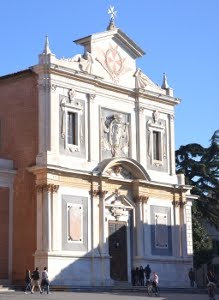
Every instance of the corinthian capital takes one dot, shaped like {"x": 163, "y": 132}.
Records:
{"x": 51, "y": 188}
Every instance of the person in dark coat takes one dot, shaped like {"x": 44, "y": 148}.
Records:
{"x": 27, "y": 281}
{"x": 191, "y": 275}
{"x": 141, "y": 276}
{"x": 147, "y": 271}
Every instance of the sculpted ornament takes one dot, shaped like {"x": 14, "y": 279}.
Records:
{"x": 113, "y": 62}
{"x": 119, "y": 172}
{"x": 116, "y": 136}
{"x": 118, "y": 208}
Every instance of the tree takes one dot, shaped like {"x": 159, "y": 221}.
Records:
{"x": 200, "y": 166}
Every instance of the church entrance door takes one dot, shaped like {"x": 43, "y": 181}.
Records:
{"x": 118, "y": 250}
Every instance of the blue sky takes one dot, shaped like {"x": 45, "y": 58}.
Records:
{"x": 179, "y": 37}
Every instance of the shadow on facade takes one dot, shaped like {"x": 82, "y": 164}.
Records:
{"x": 162, "y": 246}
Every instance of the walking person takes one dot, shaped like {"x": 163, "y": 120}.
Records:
{"x": 27, "y": 281}
{"x": 155, "y": 281}
{"x": 191, "y": 275}
{"x": 211, "y": 284}
{"x": 36, "y": 280}
{"x": 147, "y": 271}
{"x": 141, "y": 276}
{"x": 45, "y": 281}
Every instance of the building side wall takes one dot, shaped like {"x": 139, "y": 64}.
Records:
{"x": 19, "y": 142}
{"x": 4, "y": 231}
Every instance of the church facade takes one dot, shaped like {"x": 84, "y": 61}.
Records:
{"x": 87, "y": 169}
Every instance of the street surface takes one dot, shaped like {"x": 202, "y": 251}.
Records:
{"x": 100, "y": 296}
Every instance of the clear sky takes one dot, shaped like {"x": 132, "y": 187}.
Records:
{"x": 179, "y": 37}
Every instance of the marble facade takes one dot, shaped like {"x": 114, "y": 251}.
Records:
{"x": 106, "y": 187}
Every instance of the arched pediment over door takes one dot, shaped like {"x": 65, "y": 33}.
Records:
{"x": 122, "y": 168}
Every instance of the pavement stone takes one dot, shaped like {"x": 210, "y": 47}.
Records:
{"x": 88, "y": 295}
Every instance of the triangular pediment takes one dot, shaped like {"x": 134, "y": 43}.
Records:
{"x": 118, "y": 36}
{"x": 119, "y": 201}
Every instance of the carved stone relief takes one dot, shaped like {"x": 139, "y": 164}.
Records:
{"x": 119, "y": 171}
{"x": 115, "y": 134}
{"x": 117, "y": 205}
{"x": 113, "y": 63}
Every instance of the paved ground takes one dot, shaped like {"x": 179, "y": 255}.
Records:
{"x": 100, "y": 296}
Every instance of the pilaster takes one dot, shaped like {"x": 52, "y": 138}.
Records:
{"x": 46, "y": 217}
{"x": 140, "y": 203}
{"x": 171, "y": 146}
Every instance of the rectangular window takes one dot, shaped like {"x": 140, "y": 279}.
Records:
{"x": 157, "y": 145}
{"x": 72, "y": 125}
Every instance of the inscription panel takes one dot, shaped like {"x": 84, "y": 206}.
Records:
{"x": 74, "y": 223}
{"x": 161, "y": 230}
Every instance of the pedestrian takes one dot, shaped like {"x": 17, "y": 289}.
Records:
{"x": 137, "y": 279}
{"x": 36, "y": 280}
{"x": 211, "y": 284}
{"x": 211, "y": 277}
{"x": 155, "y": 281}
{"x": 191, "y": 275}
{"x": 27, "y": 281}
{"x": 45, "y": 281}
{"x": 133, "y": 276}
{"x": 147, "y": 271}
{"x": 141, "y": 276}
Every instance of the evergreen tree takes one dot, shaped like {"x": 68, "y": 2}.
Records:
{"x": 200, "y": 166}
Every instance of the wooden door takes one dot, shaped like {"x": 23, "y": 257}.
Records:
{"x": 118, "y": 250}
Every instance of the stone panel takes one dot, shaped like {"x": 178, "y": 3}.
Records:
{"x": 74, "y": 223}
{"x": 161, "y": 230}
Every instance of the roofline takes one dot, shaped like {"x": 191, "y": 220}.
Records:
{"x": 117, "y": 33}
{"x": 19, "y": 73}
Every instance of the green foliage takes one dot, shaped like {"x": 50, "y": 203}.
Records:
{"x": 201, "y": 169}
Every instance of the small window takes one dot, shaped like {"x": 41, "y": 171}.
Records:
{"x": 157, "y": 145}
{"x": 72, "y": 126}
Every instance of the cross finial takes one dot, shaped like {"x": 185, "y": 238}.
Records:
{"x": 112, "y": 12}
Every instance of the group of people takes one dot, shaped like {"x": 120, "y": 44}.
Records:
{"x": 210, "y": 282}
{"x": 34, "y": 279}
{"x": 143, "y": 276}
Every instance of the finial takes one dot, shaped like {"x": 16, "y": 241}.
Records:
{"x": 46, "y": 47}
{"x": 112, "y": 13}
{"x": 165, "y": 84}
